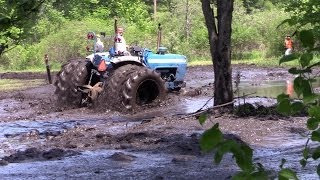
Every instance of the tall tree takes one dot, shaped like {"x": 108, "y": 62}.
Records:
{"x": 220, "y": 47}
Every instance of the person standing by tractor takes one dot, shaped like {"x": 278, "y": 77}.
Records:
{"x": 98, "y": 46}
{"x": 288, "y": 45}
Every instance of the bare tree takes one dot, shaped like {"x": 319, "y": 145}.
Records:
{"x": 219, "y": 30}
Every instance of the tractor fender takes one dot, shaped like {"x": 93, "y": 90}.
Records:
{"x": 126, "y": 60}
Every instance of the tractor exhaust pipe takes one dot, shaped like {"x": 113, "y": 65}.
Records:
{"x": 159, "y": 37}
{"x": 115, "y": 25}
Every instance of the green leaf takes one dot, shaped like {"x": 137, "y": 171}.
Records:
{"x": 312, "y": 123}
{"x": 314, "y": 111}
{"x": 202, "y": 118}
{"x": 287, "y": 174}
{"x": 223, "y": 148}
{"x": 305, "y": 59}
{"x": 310, "y": 98}
{"x": 303, "y": 162}
{"x": 302, "y": 86}
{"x": 288, "y": 58}
{"x": 297, "y": 106}
{"x": 241, "y": 176}
{"x": 307, "y": 38}
{"x": 243, "y": 157}
{"x": 315, "y": 136}
{"x": 261, "y": 175}
{"x": 284, "y": 107}
{"x": 282, "y": 96}
{"x": 210, "y": 138}
{"x": 316, "y": 154}
{"x": 295, "y": 70}
{"x": 218, "y": 156}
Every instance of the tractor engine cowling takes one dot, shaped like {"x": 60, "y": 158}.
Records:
{"x": 172, "y": 68}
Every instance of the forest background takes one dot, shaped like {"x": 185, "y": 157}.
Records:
{"x": 59, "y": 29}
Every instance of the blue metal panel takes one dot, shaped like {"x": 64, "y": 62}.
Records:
{"x": 162, "y": 61}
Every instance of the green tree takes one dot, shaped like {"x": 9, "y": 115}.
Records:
{"x": 16, "y": 19}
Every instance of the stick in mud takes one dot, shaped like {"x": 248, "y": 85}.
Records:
{"x": 46, "y": 60}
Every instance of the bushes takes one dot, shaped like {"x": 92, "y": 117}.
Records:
{"x": 258, "y": 32}
{"x": 255, "y": 35}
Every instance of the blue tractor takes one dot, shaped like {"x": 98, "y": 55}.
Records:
{"x": 123, "y": 81}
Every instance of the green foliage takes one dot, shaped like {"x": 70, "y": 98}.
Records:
{"x": 213, "y": 140}
{"x": 309, "y": 99}
{"x": 16, "y": 19}
{"x": 286, "y": 174}
{"x": 202, "y": 118}
{"x": 254, "y": 38}
{"x": 257, "y": 32}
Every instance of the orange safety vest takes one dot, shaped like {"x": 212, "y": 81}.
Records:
{"x": 288, "y": 43}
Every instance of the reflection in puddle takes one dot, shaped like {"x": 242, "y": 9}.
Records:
{"x": 269, "y": 89}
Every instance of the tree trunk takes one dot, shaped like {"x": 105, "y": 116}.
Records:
{"x": 220, "y": 48}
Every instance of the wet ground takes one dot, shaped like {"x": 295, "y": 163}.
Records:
{"x": 40, "y": 140}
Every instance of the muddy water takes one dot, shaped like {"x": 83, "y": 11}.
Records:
{"x": 269, "y": 89}
{"x": 98, "y": 164}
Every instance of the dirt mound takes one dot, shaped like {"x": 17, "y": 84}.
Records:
{"x": 34, "y": 154}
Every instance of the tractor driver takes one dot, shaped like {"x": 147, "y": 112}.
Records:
{"x": 120, "y": 45}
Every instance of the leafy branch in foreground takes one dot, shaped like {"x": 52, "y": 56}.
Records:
{"x": 307, "y": 98}
{"x": 213, "y": 140}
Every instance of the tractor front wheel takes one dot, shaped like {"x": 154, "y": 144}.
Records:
{"x": 143, "y": 87}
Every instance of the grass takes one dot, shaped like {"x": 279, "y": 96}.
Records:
{"x": 267, "y": 62}
{"x": 17, "y": 84}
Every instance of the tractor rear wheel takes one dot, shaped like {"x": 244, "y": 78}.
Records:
{"x": 71, "y": 75}
{"x": 143, "y": 87}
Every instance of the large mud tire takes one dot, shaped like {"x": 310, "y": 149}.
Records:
{"x": 71, "y": 75}
{"x": 143, "y": 87}
{"x": 113, "y": 87}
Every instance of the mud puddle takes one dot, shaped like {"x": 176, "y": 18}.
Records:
{"x": 115, "y": 164}
{"x": 112, "y": 164}
{"x": 270, "y": 88}
{"x": 20, "y": 135}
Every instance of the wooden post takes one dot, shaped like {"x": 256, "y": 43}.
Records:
{"x": 46, "y": 60}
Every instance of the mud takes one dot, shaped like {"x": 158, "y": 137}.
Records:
{"x": 40, "y": 140}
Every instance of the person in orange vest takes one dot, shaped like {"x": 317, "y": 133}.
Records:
{"x": 288, "y": 45}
